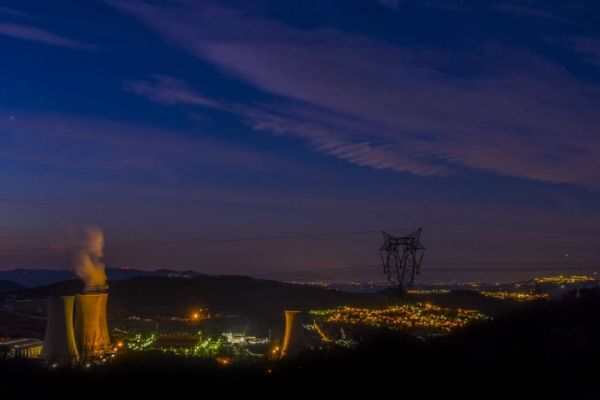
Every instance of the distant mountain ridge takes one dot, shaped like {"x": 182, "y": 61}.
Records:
{"x": 30, "y": 277}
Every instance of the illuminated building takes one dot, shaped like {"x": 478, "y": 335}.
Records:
{"x": 176, "y": 342}
{"x": 21, "y": 348}
{"x": 59, "y": 341}
{"x": 229, "y": 345}
{"x": 138, "y": 343}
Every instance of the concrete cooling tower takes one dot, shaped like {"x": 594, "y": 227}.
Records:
{"x": 59, "y": 342}
{"x": 292, "y": 336}
{"x": 91, "y": 326}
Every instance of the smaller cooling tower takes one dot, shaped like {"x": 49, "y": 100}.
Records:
{"x": 91, "y": 327}
{"x": 291, "y": 339}
{"x": 59, "y": 342}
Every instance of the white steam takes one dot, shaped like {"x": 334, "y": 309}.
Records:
{"x": 88, "y": 262}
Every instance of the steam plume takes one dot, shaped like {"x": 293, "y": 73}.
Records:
{"x": 88, "y": 262}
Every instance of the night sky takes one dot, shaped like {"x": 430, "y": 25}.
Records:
{"x": 172, "y": 123}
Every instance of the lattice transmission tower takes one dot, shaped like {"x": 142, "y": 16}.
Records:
{"x": 401, "y": 258}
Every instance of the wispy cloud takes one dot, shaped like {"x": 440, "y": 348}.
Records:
{"x": 322, "y": 137}
{"x": 13, "y": 12}
{"x": 434, "y": 4}
{"x": 385, "y": 106}
{"x": 92, "y": 144}
{"x": 527, "y": 11}
{"x": 589, "y": 47}
{"x": 170, "y": 91}
{"x": 343, "y": 144}
{"x": 34, "y": 34}
{"x": 393, "y": 4}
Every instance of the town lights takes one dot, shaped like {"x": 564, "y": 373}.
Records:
{"x": 408, "y": 316}
{"x": 565, "y": 279}
{"x": 517, "y": 296}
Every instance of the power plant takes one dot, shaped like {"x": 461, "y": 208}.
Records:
{"x": 86, "y": 336}
{"x": 91, "y": 326}
{"x": 59, "y": 341}
{"x": 290, "y": 339}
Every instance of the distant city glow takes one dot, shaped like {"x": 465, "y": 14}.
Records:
{"x": 565, "y": 279}
{"x": 518, "y": 296}
{"x": 427, "y": 291}
{"x": 410, "y": 317}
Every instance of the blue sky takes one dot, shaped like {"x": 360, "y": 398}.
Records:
{"x": 160, "y": 120}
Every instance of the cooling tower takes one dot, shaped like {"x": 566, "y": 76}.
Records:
{"x": 91, "y": 327}
{"x": 59, "y": 342}
{"x": 291, "y": 340}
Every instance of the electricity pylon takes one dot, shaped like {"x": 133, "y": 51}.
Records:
{"x": 401, "y": 258}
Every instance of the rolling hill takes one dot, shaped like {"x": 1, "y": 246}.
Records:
{"x": 244, "y": 296}
{"x": 31, "y": 277}
{"x": 234, "y": 295}
{"x": 9, "y": 286}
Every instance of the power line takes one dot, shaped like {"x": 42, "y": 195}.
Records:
{"x": 441, "y": 267}
{"x": 254, "y": 238}
{"x": 281, "y": 237}
{"x": 49, "y": 204}
{"x": 453, "y": 264}
{"x": 428, "y": 229}
{"x": 508, "y": 229}
{"x": 192, "y": 242}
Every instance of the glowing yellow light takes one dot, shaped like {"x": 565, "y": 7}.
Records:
{"x": 427, "y": 291}
{"x": 562, "y": 279}
{"x": 408, "y": 316}
{"x": 518, "y": 296}
{"x": 195, "y": 316}
{"x": 224, "y": 360}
